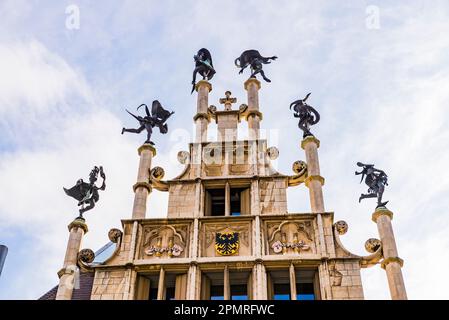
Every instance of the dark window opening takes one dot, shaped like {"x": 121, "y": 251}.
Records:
{"x": 213, "y": 285}
{"x": 153, "y": 294}
{"x": 305, "y": 284}
{"x": 217, "y": 197}
{"x": 281, "y": 291}
{"x": 239, "y": 282}
{"x": 170, "y": 285}
{"x": 279, "y": 285}
{"x": 305, "y": 291}
{"x": 216, "y": 292}
{"x": 236, "y": 201}
{"x": 239, "y": 292}
{"x": 170, "y": 293}
{"x": 153, "y": 281}
{"x": 215, "y": 202}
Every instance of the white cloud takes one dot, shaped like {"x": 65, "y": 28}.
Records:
{"x": 31, "y": 179}
{"x": 34, "y": 76}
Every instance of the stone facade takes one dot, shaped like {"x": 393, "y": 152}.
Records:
{"x": 228, "y": 231}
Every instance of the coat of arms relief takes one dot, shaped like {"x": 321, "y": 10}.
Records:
{"x": 167, "y": 241}
{"x": 290, "y": 237}
{"x": 226, "y": 239}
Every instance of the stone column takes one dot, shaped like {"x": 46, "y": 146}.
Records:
{"x": 314, "y": 183}
{"x": 66, "y": 275}
{"x": 314, "y": 180}
{"x": 142, "y": 187}
{"x": 193, "y": 282}
{"x": 254, "y": 116}
{"x": 324, "y": 281}
{"x": 161, "y": 285}
{"x": 227, "y": 199}
{"x": 292, "y": 274}
{"x": 226, "y": 284}
{"x": 202, "y": 117}
{"x": 259, "y": 281}
{"x": 391, "y": 263}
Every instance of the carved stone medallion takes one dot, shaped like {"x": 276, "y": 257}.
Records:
{"x": 372, "y": 245}
{"x": 341, "y": 227}
{"x": 86, "y": 255}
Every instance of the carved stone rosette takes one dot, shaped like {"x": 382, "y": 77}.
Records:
{"x": 114, "y": 235}
{"x": 86, "y": 256}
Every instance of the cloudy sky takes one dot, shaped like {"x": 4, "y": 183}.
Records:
{"x": 378, "y": 72}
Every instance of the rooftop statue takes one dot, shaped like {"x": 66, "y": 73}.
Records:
{"x": 376, "y": 180}
{"x": 203, "y": 66}
{"x": 255, "y": 61}
{"x": 307, "y": 115}
{"x": 157, "y": 118}
{"x": 87, "y": 193}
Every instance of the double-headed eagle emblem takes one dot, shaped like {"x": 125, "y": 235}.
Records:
{"x": 227, "y": 243}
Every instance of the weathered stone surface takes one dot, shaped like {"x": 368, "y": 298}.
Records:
{"x": 268, "y": 243}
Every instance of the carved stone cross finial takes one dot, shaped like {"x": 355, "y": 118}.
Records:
{"x": 228, "y": 101}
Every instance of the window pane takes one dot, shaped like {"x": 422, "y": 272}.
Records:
{"x": 217, "y": 202}
{"x": 216, "y": 292}
{"x": 305, "y": 291}
{"x": 239, "y": 292}
{"x": 281, "y": 297}
{"x": 170, "y": 293}
{"x": 305, "y": 297}
{"x": 235, "y": 202}
{"x": 281, "y": 291}
{"x": 153, "y": 294}
{"x": 154, "y": 280}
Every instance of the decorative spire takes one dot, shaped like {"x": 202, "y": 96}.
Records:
{"x": 228, "y": 101}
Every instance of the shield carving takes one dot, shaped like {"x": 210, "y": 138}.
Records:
{"x": 227, "y": 243}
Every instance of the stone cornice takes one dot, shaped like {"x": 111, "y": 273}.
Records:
{"x": 145, "y": 185}
{"x": 65, "y": 270}
{"x": 226, "y": 112}
{"x": 265, "y": 217}
{"x": 252, "y": 80}
{"x": 217, "y": 142}
{"x": 310, "y": 139}
{"x": 202, "y": 83}
{"x": 202, "y": 115}
{"x": 146, "y": 146}
{"x": 254, "y": 113}
{"x": 313, "y": 178}
{"x": 78, "y": 223}
{"x": 386, "y": 261}
{"x": 381, "y": 212}
{"x": 221, "y": 179}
